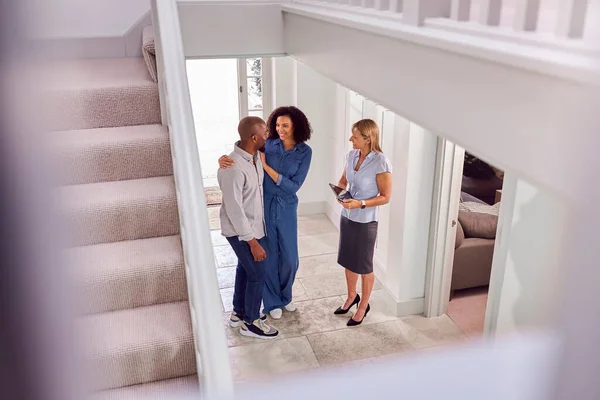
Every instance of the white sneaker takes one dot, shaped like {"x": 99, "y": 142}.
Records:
{"x": 258, "y": 329}
{"x": 290, "y": 307}
{"x": 276, "y": 313}
{"x": 235, "y": 321}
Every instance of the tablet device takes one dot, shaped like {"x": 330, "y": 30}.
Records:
{"x": 340, "y": 194}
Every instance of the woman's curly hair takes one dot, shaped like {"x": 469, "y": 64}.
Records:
{"x": 302, "y": 128}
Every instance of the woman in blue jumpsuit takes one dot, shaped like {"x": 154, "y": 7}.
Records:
{"x": 286, "y": 161}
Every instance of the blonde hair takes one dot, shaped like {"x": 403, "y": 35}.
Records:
{"x": 368, "y": 129}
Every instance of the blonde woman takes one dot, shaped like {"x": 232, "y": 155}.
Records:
{"x": 367, "y": 177}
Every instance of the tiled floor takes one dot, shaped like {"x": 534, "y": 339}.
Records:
{"x": 313, "y": 336}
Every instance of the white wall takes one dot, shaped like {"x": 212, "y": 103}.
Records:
{"x": 528, "y": 276}
{"x": 84, "y": 18}
{"x": 315, "y": 95}
{"x": 226, "y": 30}
{"x": 410, "y": 212}
{"x": 285, "y": 81}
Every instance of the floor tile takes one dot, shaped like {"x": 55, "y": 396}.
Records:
{"x": 225, "y": 257}
{"x": 328, "y": 285}
{"x": 359, "y": 342}
{"x": 425, "y": 332}
{"x": 234, "y": 338}
{"x": 227, "y": 299}
{"x": 312, "y": 316}
{"x": 226, "y": 277}
{"x": 315, "y": 224}
{"x": 264, "y": 359}
{"x": 298, "y": 292}
{"x": 380, "y": 311}
{"x": 387, "y": 358}
{"x": 314, "y": 245}
{"x": 218, "y": 239}
{"x": 214, "y": 222}
{"x": 318, "y": 265}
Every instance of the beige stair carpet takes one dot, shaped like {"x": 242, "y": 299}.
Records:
{"x": 175, "y": 388}
{"x": 137, "y": 345}
{"x": 99, "y": 93}
{"x": 115, "y": 211}
{"x": 119, "y": 200}
{"x": 128, "y": 274}
{"x": 111, "y": 154}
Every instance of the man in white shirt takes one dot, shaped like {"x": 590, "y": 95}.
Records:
{"x": 242, "y": 223}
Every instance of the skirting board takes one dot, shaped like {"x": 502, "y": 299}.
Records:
{"x": 399, "y": 308}
{"x": 311, "y": 208}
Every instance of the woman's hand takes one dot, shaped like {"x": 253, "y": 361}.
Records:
{"x": 226, "y": 161}
{"x": 263, "y": 158}
{"x": 351, "y": 204}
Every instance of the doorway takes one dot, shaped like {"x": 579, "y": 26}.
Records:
{"x": 222, "y": 91}
{"x": 465, "y": 221}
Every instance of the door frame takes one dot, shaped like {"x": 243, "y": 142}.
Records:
{"x": 442, "y": 230}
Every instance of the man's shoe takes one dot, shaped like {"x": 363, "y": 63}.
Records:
{"x": 290, "y": 307}
{"x": 258, "y": 329}
{"x": 276, "y": 313}
{"x": 235, "y": 321}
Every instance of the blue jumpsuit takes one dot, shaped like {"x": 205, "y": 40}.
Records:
{"x": 281, "y": 219}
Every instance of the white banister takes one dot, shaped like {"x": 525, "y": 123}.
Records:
{"x": 571, "y": 18}
{"x": 212, "y": 353}
{"x": 460, "y": 10}
{"x": 381, "y": 5}
{"x": 415, "y": 11}
{"x": 526, "y": 15}
{"x": 490, "y": 12}
{"x": 396, "y": 6}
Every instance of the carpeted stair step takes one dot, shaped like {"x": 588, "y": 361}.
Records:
{"x": 139, "y": 345}
{"x": 128, "y": 274}
{"x": 112, "y": 154}
{"x": 99, "y": 93}
{"x": 177, "y": 388}
{"x": 116, "y": 211}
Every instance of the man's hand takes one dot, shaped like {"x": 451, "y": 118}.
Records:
{"x": 258, "y": 252}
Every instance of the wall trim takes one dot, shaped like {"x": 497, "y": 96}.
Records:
{"x": 403, "y": 308}
{"x": 311, "y": 208}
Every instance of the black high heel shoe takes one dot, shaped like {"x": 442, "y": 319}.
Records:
{"x": 352, "y": 322}
{"x": 341, "y": 311}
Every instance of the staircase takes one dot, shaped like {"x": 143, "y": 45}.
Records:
{"x": 118, "y": 198}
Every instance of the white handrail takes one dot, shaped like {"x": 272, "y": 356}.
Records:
{"x": 205, "y": 306}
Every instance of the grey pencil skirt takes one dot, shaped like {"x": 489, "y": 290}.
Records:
{"x": 357, "y": 245}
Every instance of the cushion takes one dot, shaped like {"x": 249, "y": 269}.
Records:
{"x": 482, "y": 208}
{"x": 466, "y": 197}
{"x": 460, "y": 235}
{"x": 478, "y": 225}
